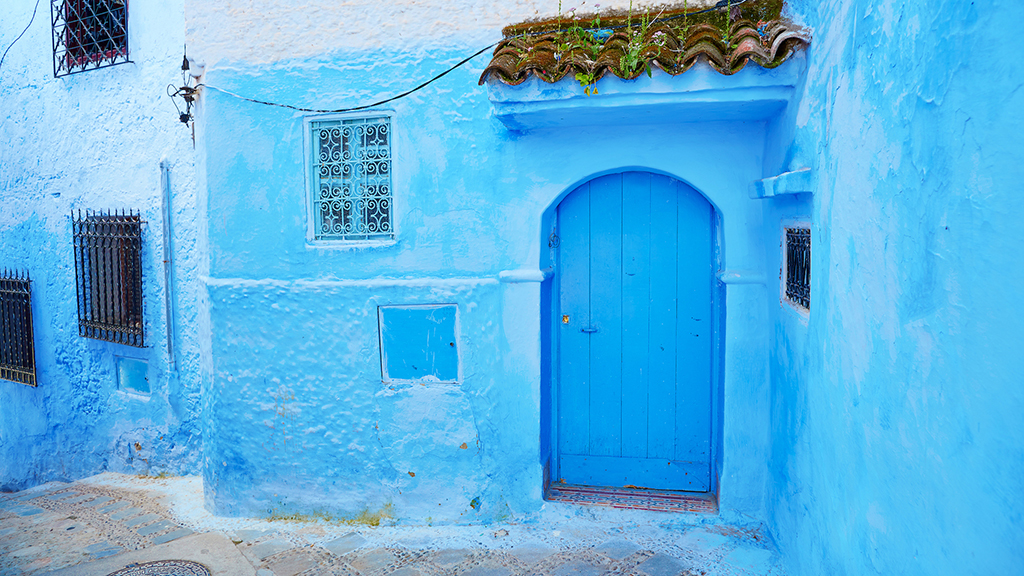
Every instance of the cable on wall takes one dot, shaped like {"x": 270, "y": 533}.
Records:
{"x": 365, "y": 106}
{"x": 31, "y": 20}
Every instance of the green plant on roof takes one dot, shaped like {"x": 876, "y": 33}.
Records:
{"x": 632, "y": 56}
{"x": 576, "y": 36}
{"x": 575, "y": 40}
{"x": 523, "y": 54}
{"x": 578, "y": 43}
{"x": 588, "y": 82}
{"x": 728, "y": 23}
{"x": 685, "y": 28}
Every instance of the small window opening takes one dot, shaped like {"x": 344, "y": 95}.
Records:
{"x": 351, "y": 173}
{"x": 419, "y": 343}
{"x": 17, "y": 346}
{"x": 133, "y": 375}
{"x": 88, "y": 34}
{"x": 108, "y": 269}
{"x": 798, "y": 267}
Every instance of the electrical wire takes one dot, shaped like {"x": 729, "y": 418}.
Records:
{"x": 718, "y": 6}
{"x": 355, "y": 108}
{"x": 31, "y": 20}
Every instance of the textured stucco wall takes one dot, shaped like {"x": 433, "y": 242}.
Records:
{"x": 95, "y": 141}
{"x": 894, "y": 443}
{"x": 264, "y": 31}
{"x": 298, "y": 418}
{"x": 897, "y": 445}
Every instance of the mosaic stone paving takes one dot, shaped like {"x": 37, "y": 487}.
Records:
{"x": 36, "y": 527}
{"x": 707, "y": 551}
{"x": 614, "y": 558}
{"x": 61, "y": 526}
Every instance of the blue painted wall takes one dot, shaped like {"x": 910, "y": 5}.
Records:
{"x": 897, "y": 445}
{"x": 879, "y": 434}
{"x": 296, "y": 416}
{"x": 95, "y": 140}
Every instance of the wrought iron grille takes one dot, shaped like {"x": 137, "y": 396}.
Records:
{"x": 798, "y": 266}
{"x": 88, "y": 34}
{"x": 17, "y": 349}
{"x": 108, "y": 267}
{"x": 352, "y": 179}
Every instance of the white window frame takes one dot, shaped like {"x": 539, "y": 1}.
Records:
{"x": 310, "y": 181}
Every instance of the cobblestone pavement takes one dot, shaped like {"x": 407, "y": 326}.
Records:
{"x": 101, "y": 524}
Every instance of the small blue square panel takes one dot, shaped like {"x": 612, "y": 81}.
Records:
{"x": 133, "y": 375}
{"x": 419, "y": 343}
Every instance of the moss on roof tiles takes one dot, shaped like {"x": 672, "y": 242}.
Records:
{"x": 587, "y": 47}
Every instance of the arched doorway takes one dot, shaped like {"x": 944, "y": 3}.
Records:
{"x": 634, "y": 332}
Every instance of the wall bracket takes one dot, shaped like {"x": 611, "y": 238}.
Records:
{"x": 796, "y": 182}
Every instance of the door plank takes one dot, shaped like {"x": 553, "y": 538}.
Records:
{"x": 574, "y": 345}
{"x": 656, "y": 473}
{"x": 636, "y": 303}
{"x": 693, "y": 418}
{"x": 662, "y": 347}
{"x": 606, "y": 315}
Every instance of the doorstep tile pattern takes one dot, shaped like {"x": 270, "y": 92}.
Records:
{"x": 625, "y": 498}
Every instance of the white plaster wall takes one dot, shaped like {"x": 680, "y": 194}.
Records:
{"x": 94, "y": 140}
{"x": 264, "y": 31}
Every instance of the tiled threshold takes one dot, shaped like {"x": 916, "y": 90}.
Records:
{"x": 633, "y": 499}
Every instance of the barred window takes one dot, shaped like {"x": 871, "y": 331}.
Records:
{"x": 351, "y": 179}
{"x": 17, "y": 348}
{"x": 108, "y": 268}
{"x": 88, "y": 34}
{"x": 798, "y": 267}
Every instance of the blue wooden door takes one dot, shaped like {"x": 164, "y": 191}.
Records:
{"x": 635, "y": 333}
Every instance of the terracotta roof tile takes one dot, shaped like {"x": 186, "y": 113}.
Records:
{"x": 554, "y": 55}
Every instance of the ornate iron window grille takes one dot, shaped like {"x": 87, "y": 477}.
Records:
{"x": 88, "y": 34}
{"x": 17, "y": 346}
{"x": 798, "y": 266}
{"x": 108, "y": 268}
{"x": 352, "y": 179}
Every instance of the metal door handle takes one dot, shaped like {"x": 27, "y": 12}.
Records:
{"x": 588, "y": 329}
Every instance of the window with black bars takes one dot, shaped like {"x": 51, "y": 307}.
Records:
{"x": 88, "y": 34}
{"x": 108, "y": 268}
{"x": 798, "y": 266}
{"x": 17, "y": 348}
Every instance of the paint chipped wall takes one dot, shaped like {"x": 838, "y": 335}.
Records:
{"x": 95, "y": 141}
{"x": 896, "y": 436}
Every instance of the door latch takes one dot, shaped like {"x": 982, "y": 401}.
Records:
{"x": 588, "y": 329}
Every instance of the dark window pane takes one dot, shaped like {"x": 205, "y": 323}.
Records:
{"x": 798, "y": 266}
{"x": 17, "y": 349}
{"x": 108, "y": 267}
{"x": 88, "y": 34}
